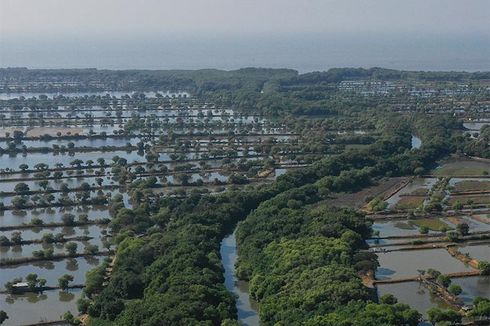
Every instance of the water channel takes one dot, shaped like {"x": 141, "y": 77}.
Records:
{"x": 247, "y": 309}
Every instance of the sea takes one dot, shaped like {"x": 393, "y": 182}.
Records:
{"x": 305, "y": 53}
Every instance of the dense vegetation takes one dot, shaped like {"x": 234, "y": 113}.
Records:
{"x": 174, "y": 274}
{"x": 303, "y": 258}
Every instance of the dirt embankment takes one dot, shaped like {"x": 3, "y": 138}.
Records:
{"x": 453, "y": 251}
{"x": 358, "y": 199}
{"x": 53, "y": 131}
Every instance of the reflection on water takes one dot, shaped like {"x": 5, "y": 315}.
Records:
{"x": 414, "y": 185}
{"x": 51, "y": 270}
{"x": 118, "y": 94}
{"x": 247, "y": 310}
{"x": 413, "y": 294}
{"x": 407, "y": 263}
{"x": 474, "y": 286}
{"x": 31, "y": 308}
{"x": 480, "y": 252}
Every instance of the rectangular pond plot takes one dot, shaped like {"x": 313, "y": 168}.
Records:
{"x": 25, "y": 251}
{"x": 398, "y": 264}
{"x": 414, "y": 294}
{"x": 479, "y": 252}
{"x": 391, "y": 242}
{"x": 414, "y": 187}
{"x": 395, "y": 228}
{"x": 462, "y": 167}
{"x": 13, "y": 162}
{"x": 52, "y": 270}
{"x": 474, "y": 223}
{"x": 32, "y": 308}
{"x": 469, "y": 184}
{"x": 89, "y": 142}
{"x": 474, "y": 286}
{"x": 94, "y": 231}
{"x": 50, "y": 215}
{"x": 117, "y": 94}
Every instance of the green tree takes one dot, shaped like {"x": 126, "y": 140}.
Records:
{"x": 16, "y": 237}
{"x": 64, "y": 281}
{"x": 388, "y": 299}
{"x": 463, "y": 229}
{"x": 3, "y": 316}
{"x": 444, "y": 280}
{"x": 32, "y": 280}
{"x": 455, "y": 289}
{"x": 437, "y": 315}
{"x": 481, "y": 308}
{"x": 68, "y": 219}
{"x": 484, "y": 267}
{"x": 21, "y": 188}
{"x": 71, "y": 248}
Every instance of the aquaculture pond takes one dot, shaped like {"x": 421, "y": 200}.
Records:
{"x": 475, "y": 127}
{"x": 55, "y": 150}
{"x": 31, "y": 159}
{"x": 399, "y": 264}
{"x": 50, "y": 215}
{"x": 392, "y": 228}
{"x": 68, "y": 231}
{"x": 51, "y": 270}
{"x": 118, "y": 94}
{"x": 416, "y": 186}
{"x": 479, "y": 252}
{"x": 462, "y": 167}
{"x": 32, "y": 308}
{"x": 414, "y": 294}
{"x": 474, "y": 224}
{"x": 473, "y": 286}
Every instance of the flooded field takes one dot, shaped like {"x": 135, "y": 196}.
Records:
{"x": 416, "y": 187}
{"x": 474, "y": 286}
{"x": 479, "y": 252}
{"x": 394, "y": 228}
{"x": 433, "y": 205}
{"x": 51, "y": 270}
{"x": 462, "y": 167}
{"x": 407, "y": 263}
{"x": 414, "y": 294}
{"x": 9, "y": 96}
{"x": 63, "y": 165}
{"x": 32, "y": 308}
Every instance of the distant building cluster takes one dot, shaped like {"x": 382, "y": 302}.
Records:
{"x": 370, "y": 88}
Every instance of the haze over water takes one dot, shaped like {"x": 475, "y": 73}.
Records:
{"x": 305, "y": 54}
{"x": 306, "y": 35}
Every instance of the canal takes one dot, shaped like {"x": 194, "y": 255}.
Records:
{"x": 247, "y": 309}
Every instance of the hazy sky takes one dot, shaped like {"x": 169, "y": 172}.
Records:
{"x": 302, "y": 34}
{"x": 122, "y": 18}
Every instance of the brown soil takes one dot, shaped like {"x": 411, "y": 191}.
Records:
{"x": 53, "y": 131}
{"x": 481, "y": 218}
{"x": 359, "y": 199}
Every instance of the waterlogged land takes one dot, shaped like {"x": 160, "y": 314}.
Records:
{"x": 434, "y": 224}
{"x": 332, "y": 175}
{"x": 58, "y": 183}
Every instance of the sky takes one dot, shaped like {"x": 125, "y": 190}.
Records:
{"x": 116, "y": 18}
{"x": 31, "y": 30}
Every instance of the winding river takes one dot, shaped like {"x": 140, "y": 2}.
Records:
{"x": 247, "y": 309}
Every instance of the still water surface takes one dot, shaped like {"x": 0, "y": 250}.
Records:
{"x": 247, "y": 310}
